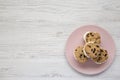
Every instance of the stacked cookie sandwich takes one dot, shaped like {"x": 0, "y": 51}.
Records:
{"x": 91, "y": 49}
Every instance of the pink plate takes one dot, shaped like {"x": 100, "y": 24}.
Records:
{"x": 76, "y": 39}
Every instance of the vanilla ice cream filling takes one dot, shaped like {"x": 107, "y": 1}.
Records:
{"x": 84, "y": 36}
{"x": 85, "y": 51}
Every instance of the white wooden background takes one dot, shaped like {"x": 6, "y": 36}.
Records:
{"x": 33, "y": 35}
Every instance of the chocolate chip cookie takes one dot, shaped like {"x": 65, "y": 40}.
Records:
{"x": 102, "y": 57}
{"x": 79, "y": 55}
{"x": 92, "y": 37}
{"x": 91, "y": 50}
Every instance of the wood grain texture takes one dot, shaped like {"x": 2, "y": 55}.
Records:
{"x": 33, "y": 35}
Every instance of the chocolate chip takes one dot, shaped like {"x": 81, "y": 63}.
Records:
{"x": 99, "y": 54}
{"x": 98, "y": 38}
{"x": 106, "y": 51}
{"x": 90, "y": 33}
{"x": 87, "y": 35}
{"x": 84, "y": 56}
{"x": 94, "y": 50}
{"x": 91, "y": 49}
{"x": 82, "y": 50}
{"x": 80, "y": 55}
{"x": 89, "y": 46}
{"x": 101, "y": 50}
{"x": 75, "y": 49}
{"x": 97, "y": 46}
{"x": 105, "y": 54}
